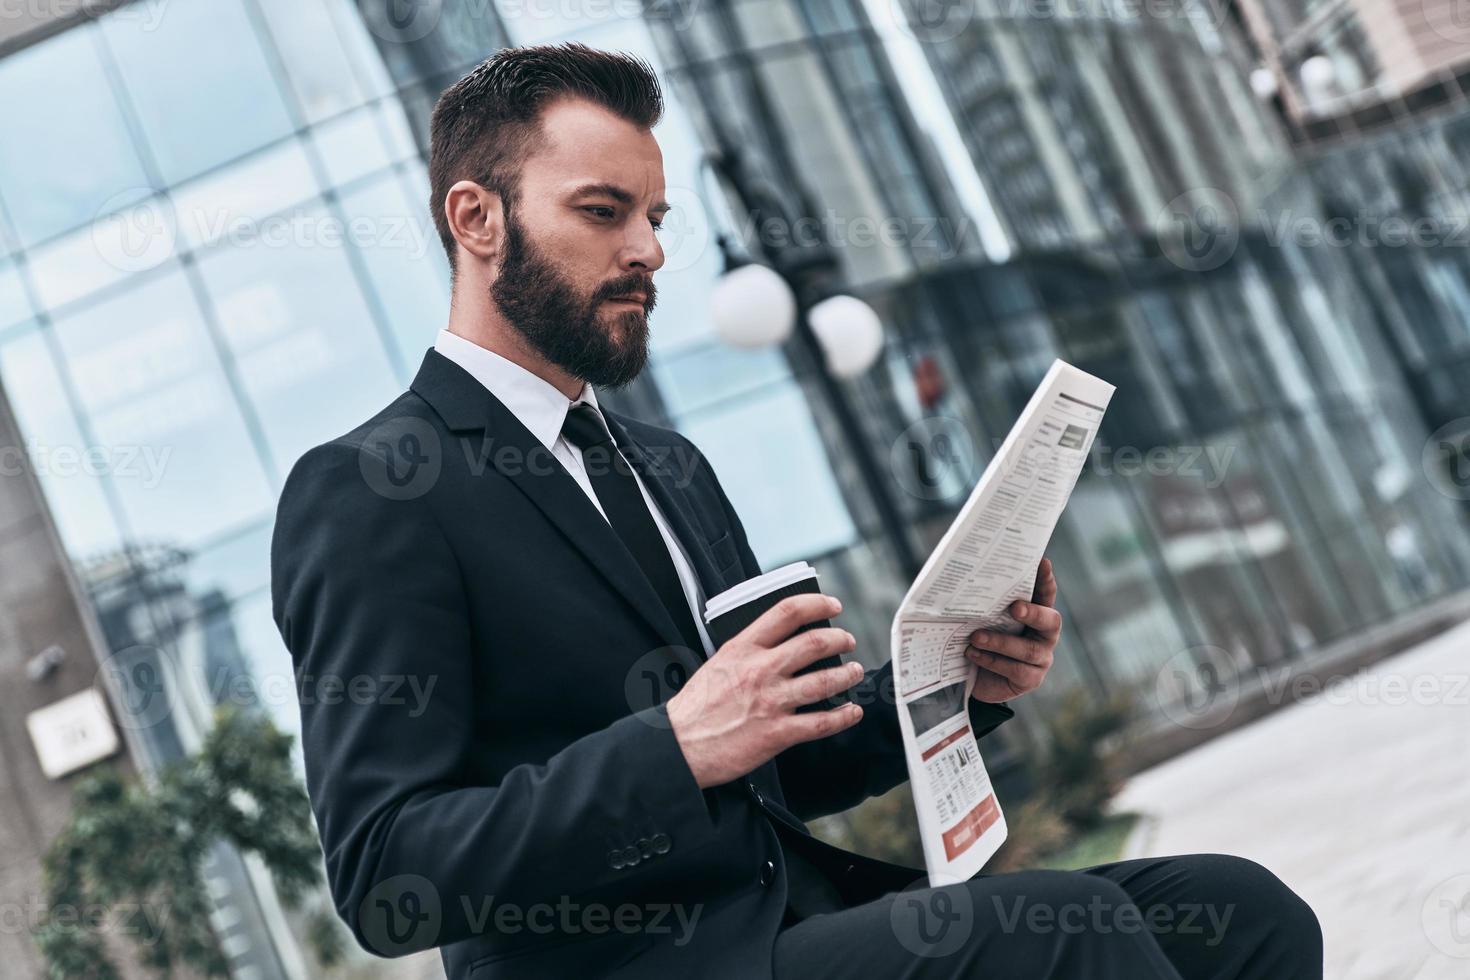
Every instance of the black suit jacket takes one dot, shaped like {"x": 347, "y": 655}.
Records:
{"x": 482, "y": 667}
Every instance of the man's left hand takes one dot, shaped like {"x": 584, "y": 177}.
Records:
{"x": 1012, "y": 665}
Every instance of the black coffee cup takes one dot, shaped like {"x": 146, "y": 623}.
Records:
{"x": 730, "y": 612}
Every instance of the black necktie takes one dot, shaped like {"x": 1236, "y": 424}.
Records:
{"x": 628, "y": 513}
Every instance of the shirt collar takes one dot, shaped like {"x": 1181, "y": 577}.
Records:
{"x": 536, "y": 402}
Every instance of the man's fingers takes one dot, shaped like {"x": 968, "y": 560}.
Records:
{"x": 1022, "y": 648}
{"x": 1043, "y": 619}
{"x": 1045, "y": 590}
{"x": 810, "y": 646}
{"x": 821, "y": 684}
{"x": 1023, "y": 675}
{"x": 789, "y": 615}
{"x": 812, "y": 725}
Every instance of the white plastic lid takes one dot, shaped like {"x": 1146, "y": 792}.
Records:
{"x": 756, "y": 587}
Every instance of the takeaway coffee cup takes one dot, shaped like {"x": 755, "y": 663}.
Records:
{"x": 734, "y": 609}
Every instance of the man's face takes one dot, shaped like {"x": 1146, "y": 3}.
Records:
{"x": 580, "y": 239}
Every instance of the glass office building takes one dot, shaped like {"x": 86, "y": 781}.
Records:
{"x": 215, "y": 252}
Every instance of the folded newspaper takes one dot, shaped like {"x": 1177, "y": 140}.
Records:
{"x": 985, "y": 561}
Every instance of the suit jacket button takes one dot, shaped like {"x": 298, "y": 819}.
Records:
{"x": 662, "y": 843}
{"x": 768, "y": 873}
{"x": 645, "y": 847}
{"x": 631, "y": 855}
{"x": 615, "y": 859}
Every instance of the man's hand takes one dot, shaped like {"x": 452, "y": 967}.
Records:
{"x": 738, "y": 710}
{"x": 1012, "y": 665}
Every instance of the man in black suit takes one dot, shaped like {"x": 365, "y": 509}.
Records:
{"x": 588, "y": 787}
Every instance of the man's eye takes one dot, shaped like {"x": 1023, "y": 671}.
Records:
{"x": 600, "y": 210}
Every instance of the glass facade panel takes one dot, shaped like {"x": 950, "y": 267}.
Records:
{"x": 200, "y": 103}
{"x": 71, "y": 468}
{"x": 60, "y": 107}
{"x": 801, "y": 513}
{"x": 150, "y": 381}
{"x": 294, "y": 323}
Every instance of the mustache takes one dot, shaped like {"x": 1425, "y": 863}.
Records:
{"x": 631, "y": 284}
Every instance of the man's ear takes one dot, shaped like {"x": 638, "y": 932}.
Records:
{"x": 475, "y": 219}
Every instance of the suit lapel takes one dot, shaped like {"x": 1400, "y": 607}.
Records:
{"x": 508, "y": 446}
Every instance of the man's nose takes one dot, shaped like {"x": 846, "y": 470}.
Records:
{"x": 642, "y": 249}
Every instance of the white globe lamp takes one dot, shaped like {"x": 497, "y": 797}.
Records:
{"x": 752, "y": 306}
{"x": 850, "y": 332}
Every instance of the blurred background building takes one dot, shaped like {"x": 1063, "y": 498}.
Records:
{"x": 215, "y": 252}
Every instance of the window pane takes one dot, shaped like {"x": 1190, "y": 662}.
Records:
{"x": 65, "y": 155}
{"x": 154, "y": 389}
{"x": 14, "y": 307}
{"x": 407, "y": 269}
{"x": 69, "y": 474}
{"x": 302, "y": 337}
{"x": 321, "y": 75}
{"x": 200, "y": 84}
{"x": 772, "y": 464}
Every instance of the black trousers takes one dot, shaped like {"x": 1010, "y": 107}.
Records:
{"x": 1189, "y": 917}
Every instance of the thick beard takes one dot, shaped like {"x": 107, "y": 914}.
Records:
{"x": 569, "y": 331}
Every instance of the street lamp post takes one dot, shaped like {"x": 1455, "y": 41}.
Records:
{"x": 756, "y": 305}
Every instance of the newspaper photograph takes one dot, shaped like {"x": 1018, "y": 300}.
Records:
{"x": 986, "y": 560}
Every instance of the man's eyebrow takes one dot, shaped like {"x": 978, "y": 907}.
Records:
{"x": 615, "y": 192}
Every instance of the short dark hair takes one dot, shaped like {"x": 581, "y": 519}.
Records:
{"x": 486, "y": 124}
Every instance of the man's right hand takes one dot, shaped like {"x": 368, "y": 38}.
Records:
{"x": 738, "y": 710}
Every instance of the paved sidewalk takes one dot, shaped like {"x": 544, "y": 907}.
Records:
{"x": 1358, "y": 799}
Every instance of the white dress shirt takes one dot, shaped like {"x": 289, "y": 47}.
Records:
{"x": 542, "y": 409}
